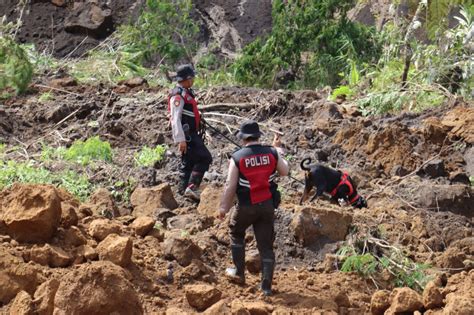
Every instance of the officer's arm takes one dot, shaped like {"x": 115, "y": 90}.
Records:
{"x": 230, "y": 188}
{"x": 177, "y": 104}
{"x": 283, "y": 167}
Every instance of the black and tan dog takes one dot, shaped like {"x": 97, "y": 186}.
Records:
{"x": 327, "y": 180}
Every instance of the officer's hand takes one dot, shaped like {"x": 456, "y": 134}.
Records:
{"x": 222, "y": 214}
{"x": 276, "y": 140}
{"x": 183, "y": 147}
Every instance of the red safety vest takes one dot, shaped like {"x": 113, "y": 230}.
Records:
{"x": 345, "y": 181}
{"x": 191, "y": 114}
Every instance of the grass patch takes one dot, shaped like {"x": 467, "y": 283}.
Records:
{"x": 148, "y": 157}
{"x": 85, "y": 151}
{"x": 26, "y": 172}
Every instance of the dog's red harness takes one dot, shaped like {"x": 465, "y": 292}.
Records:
{"x": 345, "y": 181}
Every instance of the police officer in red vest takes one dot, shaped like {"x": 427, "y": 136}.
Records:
{"x": 185, "y": 122}
{"x": 251, "y": 175}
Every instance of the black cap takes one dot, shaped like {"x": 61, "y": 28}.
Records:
{"x": 184, "y": 72}
{"x": 249, "y": 129}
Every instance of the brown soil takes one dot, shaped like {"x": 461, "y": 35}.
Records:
{"x": 379, "y": 152}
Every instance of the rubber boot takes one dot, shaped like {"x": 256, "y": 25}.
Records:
{"x": 192, "y": 191}
{"x": 183, "y": 182}
{"x": 237, "y": 274}
{"x": 267, "y": 277}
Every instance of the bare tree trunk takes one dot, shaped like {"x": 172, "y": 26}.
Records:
{"x": 408, "y": 52}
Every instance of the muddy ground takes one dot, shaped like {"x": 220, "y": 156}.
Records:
{"x": 413, "y": 168}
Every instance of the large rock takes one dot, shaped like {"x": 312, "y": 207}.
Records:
{"x": 89, "y": 18}
{"x": 31, "y": 212}
{"x": 458, "y": 199}
{"x": 460, "y": 294}
{"x": 85, "y": 252}
{"x": 192, "y": 223}
{"x": 101, "y": 202}
{"x": 146, "y": 201}
{"x": 380, "y": 302}
{"x": 142, "y": 225}
{"x": 44, "y": 297}
{"x": 182, "y": 249}
{"x": 202, "y": 296}
{"x": 238, "y": 308}
{"x": 16, "y": 276}
{"x": 432, "y": 297}
{"x": 101, "y": 228}
{"x": 253, "y": 261}
{"x": 49, "y": 255}
{"x": 404, "y": 300}
{"x": 22, "y": 304}
{"x": 100, "y": 287}
{"x": 197, "y": 271}
{"x": 310, "y": 224}
{"x": 116, "y": 249}
{"x": 74, "y": 237}
{"x": 210, "y": 199}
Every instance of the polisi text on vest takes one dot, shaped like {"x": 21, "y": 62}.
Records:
{"x": 258, "y": 160}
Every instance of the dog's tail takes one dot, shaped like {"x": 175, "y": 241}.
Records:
{"x": 304, "y": 164}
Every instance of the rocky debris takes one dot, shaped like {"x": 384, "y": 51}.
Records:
{"x": 68, "y": 214}
{"x": 59, "y": 3}
{"x": 325, "y": 117}
{"x": 90, "y": 18}
{"x": 182, "y": 249}
{"x": 434, "y": 168}
{"x": 458, "y": 199}
{"x": 16, "y": 276}
{"x": 192, "y": 223}
{"x": 237, "y": 307}
{"x": 432, "y": 296}
{"x": 460, "y": 121}
{"x": 145, "y": 201}
{"x": 44, "y": 297}
{"x": 459, "y": 177}
{"x": 74, "y": 237}
{"x": 116, "y": 249}
{"x": 52, "y": 256}
{"x": 258, "y": 308}
{"x": 459, "y": 293}
{"x": 102, "y": 203}
{"x": 404, "y": 300}
{"x": 22, "y": 304}
{"x": 310, "y": 223}
{"x": 218, "y": 309}
{"x": 31, "y": 212}
{"x": 202, "y": 296}
{"x": 380, "y": 302}
{"x": 97, "y": 286}
{"x": 85, "y": 253}
{"x": 197, "y": 271}
{"x": 134, "y": 82}
{"x": 142, "y": 225}
{"x": 101, "y": 228}
{"x": 210, "y": 199}
{"x": 253, "y": 261}
{"x": 63, "y": 82}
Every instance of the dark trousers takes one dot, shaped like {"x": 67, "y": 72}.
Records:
{"x": 197, "y": 158}
{"x": 261, "y": 217}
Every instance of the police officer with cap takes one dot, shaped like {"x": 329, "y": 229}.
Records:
{"x": 251, "y": 175}
{"x": 185, "y": 123}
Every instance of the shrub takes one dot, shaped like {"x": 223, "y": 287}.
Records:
{"x": 16, "y": 70}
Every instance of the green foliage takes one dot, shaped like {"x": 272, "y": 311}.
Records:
{"x": 16, "y": 70}
{"x": 313, "y": 39}
{"x": 85, "y": 151}
{"x": 11, "y": 172}
{"x": 122, "y": 190}
{"x": 164, "y": 29}
{"x": 405, "y": 272}
{"x": 148, "y": 157}
{"x": 46, "y": 96}
{"x": 3, "y": 146}
{"x": 437, "y": 14}
{"x": 343, "y": 90}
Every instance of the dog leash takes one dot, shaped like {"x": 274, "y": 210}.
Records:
{"x": 238, "y": 145}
